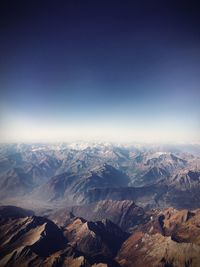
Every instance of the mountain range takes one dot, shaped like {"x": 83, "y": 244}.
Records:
{"x": 100, "y": 205}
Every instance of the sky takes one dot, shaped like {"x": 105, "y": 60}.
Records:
{"x": 100, "y": 70}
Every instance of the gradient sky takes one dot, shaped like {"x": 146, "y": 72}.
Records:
{"x": 100, "y": 70}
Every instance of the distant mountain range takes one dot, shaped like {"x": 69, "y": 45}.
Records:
{"x": 75, "y": 174}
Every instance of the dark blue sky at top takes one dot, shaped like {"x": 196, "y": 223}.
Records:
{"x": 106, "y": 60}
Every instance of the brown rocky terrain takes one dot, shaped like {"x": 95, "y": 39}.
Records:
{"x": 37, "y": 241}
{"x": 170, "y": 239}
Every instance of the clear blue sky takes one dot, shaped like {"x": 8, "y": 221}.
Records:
{"x": 117, "y": 71}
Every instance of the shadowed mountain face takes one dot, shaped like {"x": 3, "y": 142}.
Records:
{"x": 14, "y": 212}
{"x": 37, "y": 241}
{"x": 100, "y": 239}
{"x": 35, "y": 236}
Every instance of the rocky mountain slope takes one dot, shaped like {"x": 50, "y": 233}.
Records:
{"x": 171, "y": 238}
{"x": 124, "y": 213}
{"x": 37, "y": 241}
{"x": 73, "y": 188}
